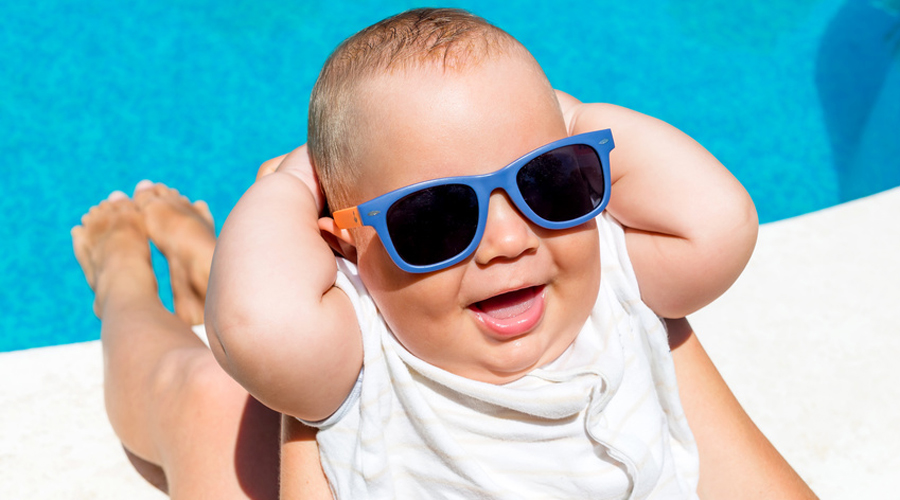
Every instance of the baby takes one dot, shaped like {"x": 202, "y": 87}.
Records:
{"x": 492, "y": 325}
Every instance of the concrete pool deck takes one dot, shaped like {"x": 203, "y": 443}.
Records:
{"x": 806, "y": 339}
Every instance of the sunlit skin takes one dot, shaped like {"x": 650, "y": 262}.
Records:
{"x": 469, "y": 123}
{"x": 278, "y": 324}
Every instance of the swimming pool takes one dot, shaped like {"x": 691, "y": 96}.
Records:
{"x": 99, "y": 94}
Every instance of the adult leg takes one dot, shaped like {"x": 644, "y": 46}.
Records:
{"x": 167, "y": 399}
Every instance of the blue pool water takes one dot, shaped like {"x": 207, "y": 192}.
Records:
{"x": 800, "y": 99}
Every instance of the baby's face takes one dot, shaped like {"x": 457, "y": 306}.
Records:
{"x": 523, "y": 296}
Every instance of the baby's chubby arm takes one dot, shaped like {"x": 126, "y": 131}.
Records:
{"x": 690, "y": 226}
{"x": 276, "y": 322}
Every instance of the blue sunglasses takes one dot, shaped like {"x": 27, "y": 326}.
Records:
{"x": 435, "y": 224}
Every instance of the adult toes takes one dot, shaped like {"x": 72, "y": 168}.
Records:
{"x": 204, "y": 210}
{"x": 143, "y": 185}
{"x": 116, "y": 195}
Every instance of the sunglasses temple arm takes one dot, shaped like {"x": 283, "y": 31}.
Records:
{"x": 347, "y": 218}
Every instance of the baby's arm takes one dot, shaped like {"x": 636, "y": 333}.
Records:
{"x": 690, "y": 226}
{"x": 276, "y": 322}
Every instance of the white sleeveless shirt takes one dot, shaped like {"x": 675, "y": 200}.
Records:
{"x": 602, "y": 421}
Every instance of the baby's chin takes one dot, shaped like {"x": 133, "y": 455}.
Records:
{"x": 506, "y": 369}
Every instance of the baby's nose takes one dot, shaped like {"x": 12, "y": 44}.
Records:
{"x": 507, "y": 233}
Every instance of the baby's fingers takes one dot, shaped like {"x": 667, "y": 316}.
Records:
{"x": 297, "y": 164}
{"x": 269, "y": 166}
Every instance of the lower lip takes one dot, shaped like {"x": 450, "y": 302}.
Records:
{"x": 516, "y": 325}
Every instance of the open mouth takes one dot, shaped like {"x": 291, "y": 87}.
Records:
{"x": 509, "y": 304}
{"x": 511, "y": 313}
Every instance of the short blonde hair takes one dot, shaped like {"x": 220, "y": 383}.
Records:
{"x": 448, "y": 38}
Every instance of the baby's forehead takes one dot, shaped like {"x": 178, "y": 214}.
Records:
{"x": 390, "y": 96}
{"x": 432, "y": 123}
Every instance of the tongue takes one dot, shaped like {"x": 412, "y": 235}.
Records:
{"x": 509, "y": 304}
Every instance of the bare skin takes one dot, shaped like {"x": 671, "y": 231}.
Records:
{"x": 736, "y": 460}
{"x": 184, "y": 232}
{"x": 187, "y": 427}
{"x": 112, "y": 242}
{"x": 192, "y": 432}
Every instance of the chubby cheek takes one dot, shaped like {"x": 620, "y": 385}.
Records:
{"x": 577, "y": 259}
{"x": 417, "y": 307}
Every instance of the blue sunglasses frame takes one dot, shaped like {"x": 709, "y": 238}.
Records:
{"x": 373, "y": 212}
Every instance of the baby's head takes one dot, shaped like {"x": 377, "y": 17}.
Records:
{"x": 442, "y": 41}
{"x": 432, "y": 94}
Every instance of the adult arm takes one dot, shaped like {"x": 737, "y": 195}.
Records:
{"x": 736, "y": 460}
{"x": 690, "y": 226}
{"x": 302, "y": 477}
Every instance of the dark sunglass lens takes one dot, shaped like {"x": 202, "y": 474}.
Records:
{"x": 563, "y": 184}
{"x": 434, "y": 224}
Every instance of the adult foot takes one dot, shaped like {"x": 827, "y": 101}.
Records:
{"x": 112, "y": 247}
{"x": 185, "y": 234}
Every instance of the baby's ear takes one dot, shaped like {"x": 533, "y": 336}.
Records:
{"x": 340, "y": 240}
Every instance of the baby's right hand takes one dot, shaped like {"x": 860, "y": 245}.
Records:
{"x": 296, "y": 163}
